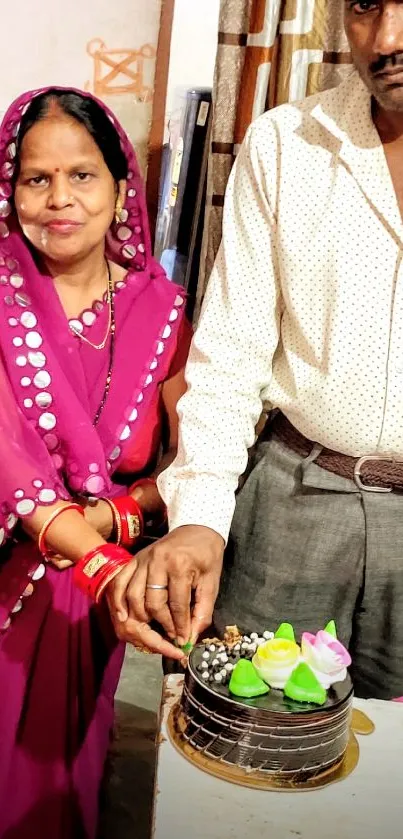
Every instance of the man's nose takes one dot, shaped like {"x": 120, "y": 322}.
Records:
{"x": 389, "y": 33}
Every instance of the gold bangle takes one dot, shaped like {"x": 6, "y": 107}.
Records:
{"x": 116, "y": 519}
{"x": 72, "y": 505}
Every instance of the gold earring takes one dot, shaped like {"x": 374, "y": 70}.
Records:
{"x": 118, "y": 210}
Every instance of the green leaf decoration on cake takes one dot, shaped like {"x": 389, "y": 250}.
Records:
{"x": 285, "y": 631}
{"x": 303, "y": 686}
{"x": 245, "y": 682}
{"x": 331, "y": 629}
{"x": 187, "y": 648}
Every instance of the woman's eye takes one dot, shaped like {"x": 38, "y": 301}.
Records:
{"x": 82, "y": 177}
{"x": 38, "y": 180}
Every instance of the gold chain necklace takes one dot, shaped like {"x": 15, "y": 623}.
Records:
{"x": 102, "y": 345}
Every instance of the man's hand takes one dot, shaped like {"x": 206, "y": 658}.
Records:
{"x": 181, "y": 569}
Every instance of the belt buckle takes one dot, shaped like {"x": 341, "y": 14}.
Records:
{"x": 357, "y": 471}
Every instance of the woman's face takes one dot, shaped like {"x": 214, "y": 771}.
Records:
{"x": 65, "y": 195}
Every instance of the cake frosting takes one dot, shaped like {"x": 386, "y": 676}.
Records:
{"x": 326, "y": 657}
{"x": 275, "y": 661}
{"x": 264, "y": 702}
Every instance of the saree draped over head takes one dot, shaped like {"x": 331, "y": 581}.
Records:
{"x": 59, "y": 663}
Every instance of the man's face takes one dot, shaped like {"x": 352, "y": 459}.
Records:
{"x": 375, "y": 34}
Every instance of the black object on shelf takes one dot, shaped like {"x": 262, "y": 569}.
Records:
{"x": 183, "y": 190}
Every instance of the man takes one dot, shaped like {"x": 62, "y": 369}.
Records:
{"x": 304, "y": 313}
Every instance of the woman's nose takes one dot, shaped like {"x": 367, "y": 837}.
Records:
{"x": 60, "y": 192}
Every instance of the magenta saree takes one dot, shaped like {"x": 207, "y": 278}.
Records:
{"x": 59, "y": 660}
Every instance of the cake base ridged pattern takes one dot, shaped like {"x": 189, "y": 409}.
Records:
{"x": 260, "y": 736}
{"x": 275, "y": 782}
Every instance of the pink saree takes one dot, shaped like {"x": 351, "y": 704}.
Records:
{"x": 59, "y": 660}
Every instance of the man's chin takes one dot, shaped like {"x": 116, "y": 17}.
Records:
{"x": 390, "y": 99}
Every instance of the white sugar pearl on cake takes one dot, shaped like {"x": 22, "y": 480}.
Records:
{"x": 204, "y": 665}
{"x": 268, "y": 635}
{"x": 254, "y": 636}
{"x": 205, "y": 674}
{"x": 229, "y": 667}
{"x": 212, "y": 648}
{"x": 206, "y": 656}
{"x": 218, "y": 677}
{"x": 215, "y": 662}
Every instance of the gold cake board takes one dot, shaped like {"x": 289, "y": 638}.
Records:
{"x": 360, "y": 724}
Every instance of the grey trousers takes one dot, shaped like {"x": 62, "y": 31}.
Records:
{"x": 306, "y": 547}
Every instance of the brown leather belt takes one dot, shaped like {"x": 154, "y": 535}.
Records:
{"x": 374, "y": 473}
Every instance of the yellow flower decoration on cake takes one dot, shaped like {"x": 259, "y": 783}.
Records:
{"x": 275, "y": 660}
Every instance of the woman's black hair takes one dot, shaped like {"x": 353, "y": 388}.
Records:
{"x": 86, "y": 111}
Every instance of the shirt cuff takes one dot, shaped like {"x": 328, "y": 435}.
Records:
{"x": 203, "y": 500}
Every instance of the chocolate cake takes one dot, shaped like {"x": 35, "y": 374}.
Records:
{"x": 297, "y": 728}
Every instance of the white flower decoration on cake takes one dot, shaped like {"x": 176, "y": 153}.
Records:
{"x": 326, "y": 656}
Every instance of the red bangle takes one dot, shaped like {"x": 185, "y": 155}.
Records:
{"x": 98, "y": 567}
{"x": 130, "y": 519}
{"x": 53, "y": 516}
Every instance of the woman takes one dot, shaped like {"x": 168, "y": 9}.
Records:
{"x": 93, "y": 343}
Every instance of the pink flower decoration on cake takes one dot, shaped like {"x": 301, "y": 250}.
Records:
{"x": 326, "y": 657}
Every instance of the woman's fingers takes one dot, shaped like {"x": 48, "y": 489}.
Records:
{"x": 60, "y": 562}
{"x": 116, "y": 592}
{"x": 146, "y": 639}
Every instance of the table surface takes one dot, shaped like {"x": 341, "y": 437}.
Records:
{"x": 367, "y": 804}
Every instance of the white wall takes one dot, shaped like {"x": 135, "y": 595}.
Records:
{"x": 193, "y": 49}
{"x": 45, "y": 42}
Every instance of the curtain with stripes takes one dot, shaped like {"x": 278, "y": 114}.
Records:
{"x": 269, "y": 52}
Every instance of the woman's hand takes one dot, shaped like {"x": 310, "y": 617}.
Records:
{"x": 60, "y": 562}
{"x": 127, "y": 628}
{"x": 182, "y": 567}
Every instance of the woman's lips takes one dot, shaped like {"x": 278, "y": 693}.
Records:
{"x": 62, "y": 226}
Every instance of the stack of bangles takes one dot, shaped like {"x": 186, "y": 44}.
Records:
{"x": 128, "y": 519}
{"x": 99, "y": 567}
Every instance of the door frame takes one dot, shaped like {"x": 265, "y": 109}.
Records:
{"x": 157, "y": 130}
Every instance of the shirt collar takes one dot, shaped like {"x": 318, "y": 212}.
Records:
{"x": 346, "y": 114}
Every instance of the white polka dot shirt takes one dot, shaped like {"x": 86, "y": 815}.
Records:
{"x": 304, "y": 309}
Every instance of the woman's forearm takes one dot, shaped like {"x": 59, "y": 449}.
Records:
{"x": 69, "y": 535}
